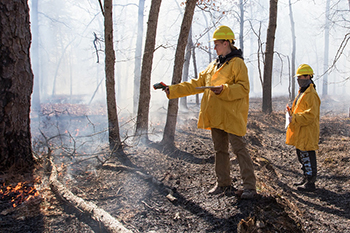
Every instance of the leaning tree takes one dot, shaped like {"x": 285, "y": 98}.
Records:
{"x": 170, "y": 126}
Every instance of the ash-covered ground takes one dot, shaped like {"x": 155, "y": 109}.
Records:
{"x": 142, "y": 205}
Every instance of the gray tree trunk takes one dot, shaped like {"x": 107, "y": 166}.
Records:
{"x": 169, "y": 130}
{"x": 138, "y": 54}
{"x": 270, "y": 42}
{"x": 113, "y": 125}
{"x": 194, "y": 66}
{"x": 35, "y": 56}
{"x": 16, "y": 85}
{"x": 326, "y": 51}
{"x": 241, "y": 24}
{"x": 183, "y": 100}
{"x": 209, "y": 37}
{"x": 147, "y": 61}
{"x": 292, "y": 79}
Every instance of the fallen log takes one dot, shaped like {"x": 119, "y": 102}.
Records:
{"x": 109, "y": 222}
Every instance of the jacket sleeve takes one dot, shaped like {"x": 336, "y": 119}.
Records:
{"x": 310, "y": 113}
{"x": 240, "y": 87}
{"x": 185, "y": 88}
{"x": 189, "y": 88}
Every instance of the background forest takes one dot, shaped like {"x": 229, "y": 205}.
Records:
{"x": 96, "y": 123}
{"x": 68, "y": 58}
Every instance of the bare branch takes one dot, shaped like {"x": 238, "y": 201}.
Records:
{"x": 337, "y": 56}
{"x": 103, "y": 13}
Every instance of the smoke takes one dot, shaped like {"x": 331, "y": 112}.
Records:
{"x": 68, "y": 71}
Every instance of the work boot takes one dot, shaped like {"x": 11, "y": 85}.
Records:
{"x": 248, "y": 194}
{"x": 308, "y": 187}
{"x": 303, "y": 181}
{"x": 217, "y": 189}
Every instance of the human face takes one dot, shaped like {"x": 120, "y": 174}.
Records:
{"x": 222, "y": 47}
{"x": 303, "y": 80}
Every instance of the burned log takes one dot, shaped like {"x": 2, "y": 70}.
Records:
{"x": 109, "y": 222}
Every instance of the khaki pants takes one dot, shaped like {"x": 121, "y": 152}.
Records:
{"x": 221, "y": 141}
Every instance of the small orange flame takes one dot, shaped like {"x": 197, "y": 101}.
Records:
{"x": 18, "y": 194}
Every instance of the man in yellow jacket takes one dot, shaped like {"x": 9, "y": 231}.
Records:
{"x": 224, "y": 109}
{"x": 304, "y": 129}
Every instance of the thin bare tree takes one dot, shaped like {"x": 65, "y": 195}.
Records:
{"x": 270, "y": 42}
{"x": 326, "y": 51}
{"x": 183, "y": 100}
{"x": 241, "y": 23}
{"x": 169, "y": 130}
{"x": 147, "y": 61}
{"x": 35, "y": 56}
{"x": 194, "y": 62}
{"x": 292, "y": 24}
{"x": 113, "y": 125}
{"x": 138, "y": 54}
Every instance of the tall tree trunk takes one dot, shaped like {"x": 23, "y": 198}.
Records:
{"x": 183, "y": 100}
{"x": 326, "y": 51}
{"x": 145, "y": 84}
{"x": 241, "y": 24}
{"x": 169, "y": 130}
{"x": 292, "y": 81}
{"x": 138, "y": 54}
{"x": 270, "y": 41}
{"x": 194, "y": 66}
{"x": 35, "y": 56}
{"x": 251, "y": 68}
{"x": 113, "y": 125}
{"x": 16, "y": 84}
{"x": 208, "y": 34}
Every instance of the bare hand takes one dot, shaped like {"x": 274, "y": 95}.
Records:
{"x": 287, "y": 108}
{"x": 217, "y": 90}
{"x": 166, "y": 90}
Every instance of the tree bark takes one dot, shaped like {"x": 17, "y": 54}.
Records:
{"x": 169, "y": 130}
{"x": 147, "y": 61}
{"x": 241, "y": 24}
{"x": 270, "y": 41}
{"x": 326, "y": 51}
{"x": 194, "y": 66}
{"x": 292, "y": 81}
{"x": 183, "y": 100}
{"x": 35, "y": 57}
{"x": 113, "y": 125}
{"x": 16, "y": 85}
{"x": 138, "y": 54}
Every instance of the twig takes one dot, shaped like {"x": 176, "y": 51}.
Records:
{"x": 153, "y": 208}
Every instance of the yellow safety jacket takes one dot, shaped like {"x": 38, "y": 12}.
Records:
{"x": 304, "y": 129}
{"x": 227, "y": 111}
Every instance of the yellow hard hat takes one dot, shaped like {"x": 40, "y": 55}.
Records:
{"x": 304, "y": 69}
{"x": 223, "y": 33}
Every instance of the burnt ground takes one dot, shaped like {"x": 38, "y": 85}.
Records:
{"x": 141, "y": 204}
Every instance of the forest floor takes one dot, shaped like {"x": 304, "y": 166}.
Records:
{"x": 142, "y": 204}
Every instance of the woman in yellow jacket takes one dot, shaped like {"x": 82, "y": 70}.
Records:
{"x": 304, "y": 129}
{"x": 224, "y": 109}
